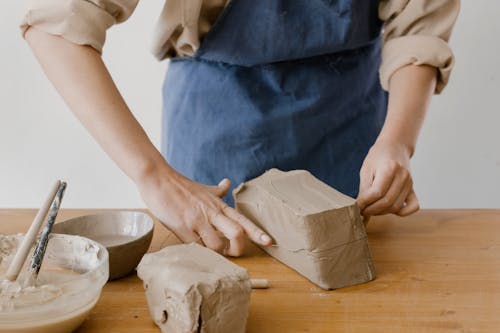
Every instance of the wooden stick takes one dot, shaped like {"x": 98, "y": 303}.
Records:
{"x": 259, "y": 283}
{"x": 28, "y": 240}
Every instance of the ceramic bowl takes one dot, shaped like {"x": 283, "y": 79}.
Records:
{"x": 75, "y": 267}
{"x": 125, "y": 234}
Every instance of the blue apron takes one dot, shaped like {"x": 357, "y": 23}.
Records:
{"x": 288, "y": 84}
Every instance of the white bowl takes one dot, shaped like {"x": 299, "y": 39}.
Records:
{"x": 77, "y": 268}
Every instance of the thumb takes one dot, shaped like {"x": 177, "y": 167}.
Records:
{"x": 365, "y": 182}
{"x": 221, "y": 189}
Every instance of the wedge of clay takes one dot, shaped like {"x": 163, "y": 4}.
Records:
{"x": 192, "y": 289}
{"x": 317, "y": 230}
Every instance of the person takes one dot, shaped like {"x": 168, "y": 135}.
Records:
{"x": 339, "y": 88}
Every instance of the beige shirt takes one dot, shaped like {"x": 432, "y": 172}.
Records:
{"x": 415, "y": 31}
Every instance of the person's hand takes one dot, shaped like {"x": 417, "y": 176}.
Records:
{"x": 193, "y": 212}
{"x": 386, "y": 185}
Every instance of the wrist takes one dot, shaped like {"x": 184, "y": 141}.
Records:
{"x": 407, "y": 148}
{"x": 152, "y": 170}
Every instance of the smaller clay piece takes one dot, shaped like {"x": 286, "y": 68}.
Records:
{"x": 317, "y": 230}
{"x": 192, "y": 289}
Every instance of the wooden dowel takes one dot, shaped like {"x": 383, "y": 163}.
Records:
{"x": 259, "y": 283}
{"x": 28, "y": 240}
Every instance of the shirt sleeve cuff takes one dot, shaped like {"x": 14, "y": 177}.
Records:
{"x": 417, "y": 50}
{"x": 80, "y": 22}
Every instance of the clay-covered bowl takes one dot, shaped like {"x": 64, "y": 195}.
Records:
{"x": 125, "y": 234}
{"x": 69, "y": 284}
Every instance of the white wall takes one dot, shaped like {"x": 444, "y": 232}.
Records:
{"x": 457, "y": 163}
{"x": 40, "y": 140}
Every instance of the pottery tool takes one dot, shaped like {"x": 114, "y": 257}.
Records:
{"x": 28, "y": 240}
{"x": 259, "y": 283}
{"x": 39, "y": 253}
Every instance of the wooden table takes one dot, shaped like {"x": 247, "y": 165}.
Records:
{"x": 438, "y": 271}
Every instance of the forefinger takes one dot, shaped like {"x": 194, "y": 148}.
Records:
{"x": 253, "y": 232}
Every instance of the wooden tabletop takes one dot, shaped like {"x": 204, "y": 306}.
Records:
{"x": 437, "y": 271}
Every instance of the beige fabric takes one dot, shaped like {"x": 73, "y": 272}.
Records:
{"x": 182, "y": 24}
{"x": 416, "y": 31}
{"x": 82, "y": 22}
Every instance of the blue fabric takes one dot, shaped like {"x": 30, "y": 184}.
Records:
{"x": 244, "y": 104}
{"x": 251, "y": 33}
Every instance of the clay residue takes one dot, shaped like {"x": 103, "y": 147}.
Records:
{"x": 8, "y": 246}
{"x": 75, "y": 253}
{"x": 73, "y": 272}
{"x": 317, "y": 230}
{"x": 54, "y": 281}
{"x": 190, "y": 288}
{"x": 14, "y": 295}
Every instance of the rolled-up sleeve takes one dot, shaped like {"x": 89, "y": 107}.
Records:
{"x": 417, "y": 32}
{"x": 82, "y": 22}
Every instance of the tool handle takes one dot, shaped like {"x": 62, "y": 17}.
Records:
{"x": 30, "y": 236}
{"x": 259, "y": 283}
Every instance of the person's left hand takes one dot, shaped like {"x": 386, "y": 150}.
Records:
{"x": 386, "y": 185}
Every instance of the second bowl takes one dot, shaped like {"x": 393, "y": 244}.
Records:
{"x": 125, "y": 234}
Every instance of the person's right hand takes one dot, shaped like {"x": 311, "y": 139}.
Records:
{"x": 193, "y": 212}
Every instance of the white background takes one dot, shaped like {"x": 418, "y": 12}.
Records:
{"x": 457, "y": 163}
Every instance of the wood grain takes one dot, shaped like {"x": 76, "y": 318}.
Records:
{"x": 438, "y": 271}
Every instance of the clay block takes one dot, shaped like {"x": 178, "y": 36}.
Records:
{"x": 192, "y": 289}
{"x": 317, "y": 230}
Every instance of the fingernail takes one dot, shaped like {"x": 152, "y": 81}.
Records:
{"x": 223, "y": 182}
{"x": 265, "y": 238}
